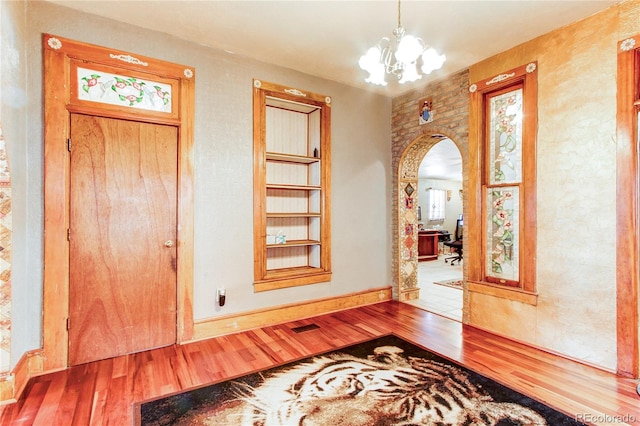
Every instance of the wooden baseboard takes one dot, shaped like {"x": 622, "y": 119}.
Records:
{"x": 412, "y": 294}
{"x": 6, "y": 389}
{"x": 543, "y": 349}
{"x": 11, "y": 385}
{"x": 211, "y": 327}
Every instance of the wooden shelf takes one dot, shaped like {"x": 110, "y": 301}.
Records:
{"x": 292, "y": 215}
{"x": 288, "y": 271}
{"x": 297, "y": 187}
{"x": 289, "y": 158}
{"x": 289, "y": 277}
{"x": 295, "y": 243}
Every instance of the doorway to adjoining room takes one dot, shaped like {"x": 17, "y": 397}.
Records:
{"x": 440, "y": 223}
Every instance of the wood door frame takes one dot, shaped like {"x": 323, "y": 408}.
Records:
{"x": 60, "y": 57}
{"x": 627, "y": 215}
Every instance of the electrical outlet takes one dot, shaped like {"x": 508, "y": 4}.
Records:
{"x": 222, "y": 296}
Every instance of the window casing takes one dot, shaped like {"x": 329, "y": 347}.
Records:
{"x": 627, "y": 222}
{"x": 502, "y": 181}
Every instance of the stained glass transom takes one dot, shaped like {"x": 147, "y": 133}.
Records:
{"x": 505, "y": 137}
{"x": 113, "y": 89}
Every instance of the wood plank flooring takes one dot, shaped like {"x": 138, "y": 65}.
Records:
{"x": 104, "y": 392}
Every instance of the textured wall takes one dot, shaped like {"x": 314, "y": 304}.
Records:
{"x": 26, "y": 290}
{"x": 224, "y": 166}
{"x": 5, "y": 258}
{"x": 453, "y": 207}
{"x": 576, "y": 266}
{"x": 576, "y": 185}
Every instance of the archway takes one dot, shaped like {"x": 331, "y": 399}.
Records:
{"x": 439, "y": 198}
{"x": 406, "y": 233}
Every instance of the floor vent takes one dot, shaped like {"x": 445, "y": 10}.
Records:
{"x": 304, "y": 328}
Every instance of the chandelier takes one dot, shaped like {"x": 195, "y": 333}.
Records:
{"x": 400, "y": 57}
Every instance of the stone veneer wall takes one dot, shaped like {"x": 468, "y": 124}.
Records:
{"x": 410, "y": 143}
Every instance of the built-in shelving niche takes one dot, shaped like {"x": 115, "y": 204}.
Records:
{"x": 291, "y": 187}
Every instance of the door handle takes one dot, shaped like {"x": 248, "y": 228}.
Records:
{"x": 169, "y": 243}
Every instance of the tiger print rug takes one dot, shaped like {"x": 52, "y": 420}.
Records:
{"x": 386, "y": 381}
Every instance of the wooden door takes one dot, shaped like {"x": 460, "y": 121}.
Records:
{"x": 122, "y": 251}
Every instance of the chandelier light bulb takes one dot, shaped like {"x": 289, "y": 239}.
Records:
{"x": 369, "y": 59}
{"x": 377, "y": 76}
{"x": 410, "y": 74}
{"x": 370, "y": 62}
{"x": 432, "y": 61}
{"x": 409, "y": 49}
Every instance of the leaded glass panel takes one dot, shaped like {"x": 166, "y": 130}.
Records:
{"x": 505, "y": 137}
{"x": 122, "y": 90}
{"x": 503, "y": 235}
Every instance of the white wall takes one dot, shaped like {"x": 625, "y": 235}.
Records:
{"x": 453, "y": 206}
{"x": 361, "y": 158}
{"x": 26, "y": 274}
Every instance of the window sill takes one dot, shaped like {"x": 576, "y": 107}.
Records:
{"x": 495, "y": 290}
{"x": 291, "y": 278}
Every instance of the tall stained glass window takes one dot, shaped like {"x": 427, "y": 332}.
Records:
{"x": 504, "y": 175}
{"x": 502, "y": 143}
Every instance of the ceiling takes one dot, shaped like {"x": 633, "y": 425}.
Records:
{"x": 326, "y": 38}
{"x": 443, "y": 161}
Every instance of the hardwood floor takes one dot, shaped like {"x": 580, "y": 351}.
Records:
{"x": 104, "y": 392}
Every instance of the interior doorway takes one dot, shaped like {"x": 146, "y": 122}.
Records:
{"x": 440, "y": 203}
{"x": 122, "y": 232}
{"x": 75, "y": 75}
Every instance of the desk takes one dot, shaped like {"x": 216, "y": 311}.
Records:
{"x": 428, "y": 245}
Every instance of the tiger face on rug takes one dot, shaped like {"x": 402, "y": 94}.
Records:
{"x": 386, "y": 388}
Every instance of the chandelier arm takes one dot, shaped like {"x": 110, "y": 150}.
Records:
{"x": 385, "y": 59}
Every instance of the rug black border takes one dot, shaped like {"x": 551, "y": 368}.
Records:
{"x": 490, "y": 377}
{"x": 137, "y": 406}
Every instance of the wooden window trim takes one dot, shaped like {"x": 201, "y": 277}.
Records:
{"x": 526, "y": 76}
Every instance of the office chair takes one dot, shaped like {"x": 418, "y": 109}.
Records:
{"x": 455, "y": 245}
{"x": 443, "y": 237}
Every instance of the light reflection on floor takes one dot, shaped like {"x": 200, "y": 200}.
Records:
{"x": 441, "y": 300}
